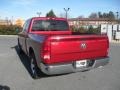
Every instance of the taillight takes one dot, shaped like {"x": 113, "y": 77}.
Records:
{"x": 108, "y": 46}
{"x": 46, "y": 52}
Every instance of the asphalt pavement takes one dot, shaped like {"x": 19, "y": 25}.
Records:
{"x": 15, "y": 72}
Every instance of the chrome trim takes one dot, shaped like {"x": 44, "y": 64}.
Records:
{"x": 83, "y": 45}
{"x": 69, "y": 67}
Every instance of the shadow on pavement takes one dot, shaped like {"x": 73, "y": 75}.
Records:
{"x": 25, "y": 61}
{"x": 4, "y": 87}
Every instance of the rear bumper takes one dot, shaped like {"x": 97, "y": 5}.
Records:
{"x": 69, "y": 67}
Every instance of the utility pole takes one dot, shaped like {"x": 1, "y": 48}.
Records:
{"x": 38, "y": 13}
{"x": 117, "y": 13}
{"x": 118, "y": 17}
{"x": 66, "y": 12}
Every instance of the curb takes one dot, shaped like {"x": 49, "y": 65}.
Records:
{"x": 117, "y": 42}
{"x": 8, "y": 35}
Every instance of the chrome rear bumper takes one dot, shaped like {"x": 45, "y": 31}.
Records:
{"x": 69, "y": 67}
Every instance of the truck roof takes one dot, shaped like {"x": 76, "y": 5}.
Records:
{"x": 54, "y": 18}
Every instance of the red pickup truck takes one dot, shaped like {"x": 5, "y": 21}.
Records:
{"x": 54, "y": 49}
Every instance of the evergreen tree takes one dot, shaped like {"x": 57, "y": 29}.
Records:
{"x": 50, "y": 14}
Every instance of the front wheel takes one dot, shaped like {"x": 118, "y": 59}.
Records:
{"x": 34, "y": 67}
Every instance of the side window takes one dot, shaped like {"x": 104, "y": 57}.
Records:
{"x": 26, "y": 26}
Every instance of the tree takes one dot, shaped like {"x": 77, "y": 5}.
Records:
{"x": 90, "y": 29}
{"x": 111, "y": 15}
{"x": 105, "y": 15}
{"x": 9, "y": 29}
{"x": 50, "y": 14}
{"x": 19, "y": 22}
{"x": 93, "y": 15}
{"x": 100, "y": 15}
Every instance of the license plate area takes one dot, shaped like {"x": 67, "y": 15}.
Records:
{"x": 81, "y": 63}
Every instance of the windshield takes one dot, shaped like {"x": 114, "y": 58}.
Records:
{"x": 50, "y": 25}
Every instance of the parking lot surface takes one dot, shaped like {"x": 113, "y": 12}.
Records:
{"x": 15, "y": 73}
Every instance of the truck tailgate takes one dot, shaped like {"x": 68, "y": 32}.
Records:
{"x": 73, "y": 48}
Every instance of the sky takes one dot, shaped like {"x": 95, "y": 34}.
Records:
{"x": 28, "y": 8}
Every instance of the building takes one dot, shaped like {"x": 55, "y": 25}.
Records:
{"x": 90, "y": 21}
{"x": 5, "y": 22}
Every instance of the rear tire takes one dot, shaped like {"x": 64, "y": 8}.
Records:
{"x": 33, "y": 66}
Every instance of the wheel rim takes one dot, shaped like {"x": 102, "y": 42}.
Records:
{"x": 32, "y": 65}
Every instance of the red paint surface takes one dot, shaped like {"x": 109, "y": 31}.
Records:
{"x": 62, "y": 46}
{"x": 68, "y": 48}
